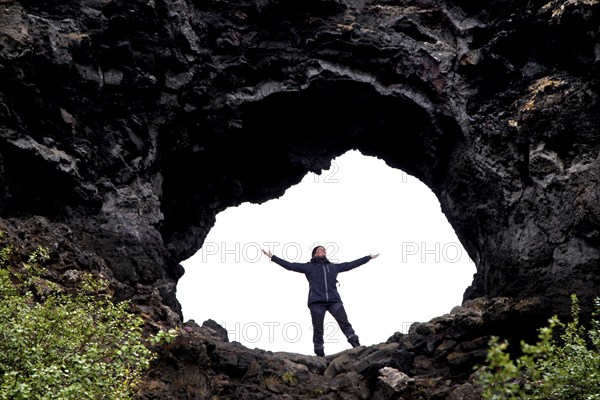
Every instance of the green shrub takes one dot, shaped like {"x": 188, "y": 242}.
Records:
{"x": 163, "y": 337}
{"x": 59, "y": 345}
{"x": 563, "y": 369}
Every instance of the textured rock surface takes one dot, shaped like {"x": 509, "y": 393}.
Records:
{"x": 126, "y": 126}
{"x": 434, "y": 360}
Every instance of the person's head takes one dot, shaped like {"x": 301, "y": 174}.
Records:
{"x": 319, "y": 255}
{"x": 319, "y": 251}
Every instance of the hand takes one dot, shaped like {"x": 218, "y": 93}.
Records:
{"x": 267, "y": 253}
{"x": 374, "y": 256}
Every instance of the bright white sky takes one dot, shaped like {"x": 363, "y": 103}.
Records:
{"x": 359, "y": 206}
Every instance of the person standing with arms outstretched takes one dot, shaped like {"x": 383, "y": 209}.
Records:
{"x": 323, "y": 295}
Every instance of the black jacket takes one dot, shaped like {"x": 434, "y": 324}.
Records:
{"x": 322, "y": 276}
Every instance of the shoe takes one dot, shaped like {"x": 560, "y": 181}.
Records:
{"x": 354, "y": 342}
{"x": 320, "y": 352}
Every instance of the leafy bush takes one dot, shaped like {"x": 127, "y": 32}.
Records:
{"x": 564, "y": 369}
{"x": 164, "y": 337}
{"x": 59, "y": 345}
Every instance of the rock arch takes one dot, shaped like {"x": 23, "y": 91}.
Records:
{"x": 126, "y": 126}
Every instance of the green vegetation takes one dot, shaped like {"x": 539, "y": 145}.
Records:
{"x": 271, "y": 380}
{"x": 59, "y": 344}
{"x": 289, "y": 378}
{"x": 563, "y": 369}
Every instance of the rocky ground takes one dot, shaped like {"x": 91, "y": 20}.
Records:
{"x": 438, "y": 359}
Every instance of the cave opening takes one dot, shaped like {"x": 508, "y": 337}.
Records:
{"x": 359, "y": 206}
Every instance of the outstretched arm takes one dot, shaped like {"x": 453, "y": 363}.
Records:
{"x": 296, "y": 267}
{"x": 347, "y": 266}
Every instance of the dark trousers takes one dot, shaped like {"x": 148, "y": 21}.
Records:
{"x": 317, "y": 313}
